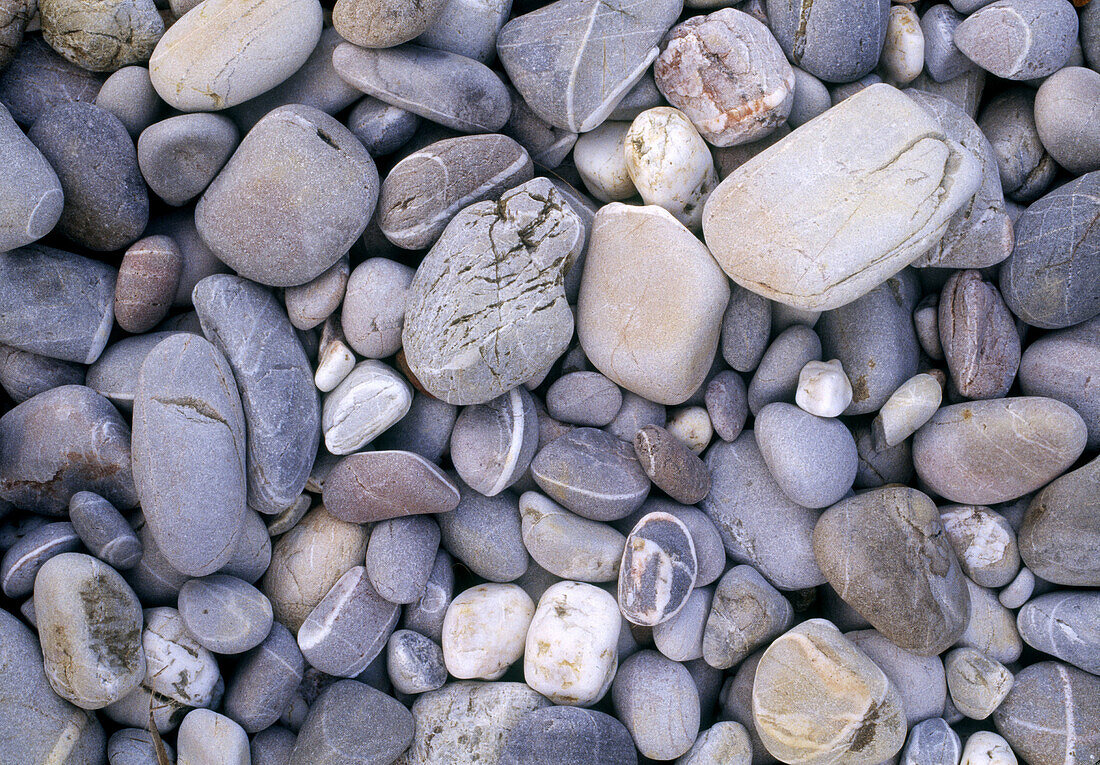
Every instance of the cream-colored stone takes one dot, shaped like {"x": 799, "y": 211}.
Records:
{"x": 984, "y": 543}
{"x": 366, "y": 402}
{"x": 334, "y": 363}
{"x": 600, "y": 157}
{"x": 903, "y": 54}
{"x": 909, "y": 407}
{"x": 977, "y": 683}
{"x": 484, "y": 630}
{"x": 987, "y": 748}
{"x": 692, "y": 425}
{"x": 823, "y": 388}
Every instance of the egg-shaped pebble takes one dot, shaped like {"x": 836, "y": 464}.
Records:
{"x": 104, "y": 531}
{"x": 485, "y": 629}
{"x": 584, "y": 398}
{"x": 823, "y": 388}
{"x": 816, "y": 467}
{"x": 349, "y": 723}
{"x": 24, "y": 559}
{"x": 311, "y": 303}
{"x": 568, "y": 545}
{"x": 400, "y": 556}
{"x": 746, "y": 613}
{"x": 1064, "y": 624}
{"x": 180, "y": 156}
{"x": 658, "y": 702}
{"x": 978, "y": 684}
{"x": 932, "y": 742}
{"x": 264, "y": 681}
{"x": 208, "y": 738}
{"x": 984, "y": 543}
{"x": 1065, "y": 119}
{"x": 903, "y": 54}
{"x": 178, "y": 666}
{"x": 485, "y": 534}
{"x": 415, "y": 663}
{"x": 592, "y": 473}
{"x": 225, "y": 614}
{"x": 374, "y": 304}
{"x": 492, "y": 444}
{"x": 658, "y": 569}
{"x": 671, "y": 464}
{"x": 1017, "y": 40}
{"x": 370, "y": 399}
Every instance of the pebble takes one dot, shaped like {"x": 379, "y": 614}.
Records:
{"x": 33, "y": 201}
{"x": 382, "y": 128}
{"x": 89, "y": 621}
{"x": 671, "y": 464}
{"x": 568, "y": 545}
{"x": 371, "y": 398}
{"x": 810, "y": 99}
{"x": 272, "y": 746}
{"x": 178, "y": 667}
{"x": 1019, "y": 591}
{"x": 485, "y": 534}
{"x": 600, "y": 157}
{"x": 584, "y": 398}
{"x": 133, "y": 746}
{"x": 415, "y": 663}
{"x": 23, "y": 560}
{"x": 17, "y": 16}
{"x": 375, "y": 486}
{"x": 1018, "y": 40}
{"x": 101, "y": 37}
{"x": 104, "y": 531}
{"x": 383, "y": 23}
{"x": 1052, "y": 709}
{"x": 725, "y": 742}
{"x": 691, "y": 426}
{"x": 147, "y": 281}
{"x": 129, "y": 95}
{"x": 816, "y": 468}
{"x": 180, "y": 156}
{"x": 746, "y": 329}
{"x": 978, "y": 336}
{"x": 541, "y": 49}
{"x": 400, "y": 556}
{"x": 942, "y": 59}
{"x": 657, "y": 701}
{"x": 962, "y": 453}
{"x": 208, "y": 738}
{"x": 349, "y": 723}
{"x": 264, "y": 681}
{"x": 984, "y": 544}
{"x": 484, "y": 630}
{"x": 680, "y": 638}
{"x": 932, "y": 742}
{"x": 448, "y": 89}
{"x": 38, "y": 79}
{"x": 335, "y": 361}
{"x": 877, "y": 125}
{"x": 225, "y": 614}
{"x": 823, "y": 388}
{"x": 1060, "y": 535}
{"x": 909, "y": 407}
{"x": 1063, "y": 624}
{"x": 817, "y": 698}
{"x": 374, "y": 305}
{"x": 310, "y": 304}
{"x": 1009, "y": 123}
{"x": 468, "y": 28}
{"x": 259, "y": 223}
{"x": 349, "y": 627}
{"x": 776, "y": 377}
{"x": 24, "y": 375}
{"x": 902, "y": 56}
{"x": 727, "y": 404}
{"x": 920, "y": 603}
{"x": 521, "y": 244}
{"x": 746, "y": 614}
{"x": 1065, "y": 119}
{"x": 658, "y": 569}
{"x": 728, "y": 74}
{"x": 992, "y": 627}
{"x": 919, "y": 680}
{"x": 493, "y": 444}
{"x": 559, "y": 735}
{"x": 978, "y": 684}
{"x": 837, "y": 42}
{"x": 231, "y": 52}
{"x": 1065, "y": 365}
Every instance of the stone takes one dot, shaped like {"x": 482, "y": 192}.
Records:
{"x": 942, "y": 59}
{"x": 147, "y": 280}
{"x": 264, "y": 681}
{"x": 592, "y": 473}
{"x": 374, "y": 486}
{"x": 1060, "y": 535}
{"x": 658, "y": 569}
{"x": 208, "y": 738}
{"x": 1052, "y": 715}
{"x": 978, "y": 336}
{"x": 776, "y": 376}
{"x": 189, "y": 453}
{"x": 823, "y": 388}
{"x": 425, "y": 430}
{"x": 728, "y": 74}
{"x": 1009, "y": 123}
{"x": 547, "y": 145}
{"x": 817, "y": 698}
{"x": 484, "y": 630}
{"x": 16, "y": 17}
{"x": 307, "y": 561}
{"x": 634, "y": 414}
{"x": 986, "y": 748}
{"x": 574, "y": 60}
{"x": 835, "y": 41}
{"x": 978, "y": 684}
{"x": 129, "y": 95}
{"x": 426, "y": 189}
{"x": 726, "y": 742}
{"x": 426, "y": 615}
{"x": 919, "y": 680}
{"x": 727, "y": 404}
{"x": 224, "y": 614}
{"x": 368, "y": 400}
{"x": 992, "y": 627}
{"x": 400, "y": 556}
{"x": 910, "y": 406}
{"x": 180, "y": 156}
{"x": 468, "y": 28}
{"x": 1018, "y": 591}
{"x": 1065, "y": 365}
{"x": 559, "y": 735}
{"x": 272, "y": 746}
{"x": 350, "y": 723}
{"x": 24, "y": 375}
{"x": 312, "y": 303}
{"x": 671, "y": 465}
{"x": 815, "y": 468}
{"x": 963, "y": 452}
{"x": 383, "y": 23}
{"x": 32, "y": 202}
{"x": 758, "y": 524}
{"x": 485, "y": 534}
{"x": 657, "y": 701}
{"x": 584, "y": 398}
{"x": 1064, "y": 120}
{"x": 746, "y": 614}
{"x": 382, "y": 128}
{"x": 628, "y": 292}
{"x": 680, "y": 638}
{"x": 229, "y": 53}
{"x": 414, "y": 663}
{"x": 600, "y": 158}
{"x": 448, "y": 89}
{"x": 335, "y": 361}
{"x": 902, "y": 56}
{"x": 106, "y": 204}
{"x": 254, "y": 215}
{"x": 868, "y": 124}
{"x": 89, "y": 621}
{"x": 101, "y": 37}
{"x": 252, "y": 554}
{"x": 568, "y": 545}
{"x": 178, "y": 668}
{"x": 1017, "y": 40}
{"x": 932, "y": 742}
{"x": 492, "y": 444}
{"x": 24, "y": 559}
{"x": 862, "y": 543}
{"x": 373, "y": 313}
{"x": 746, "y": 329}
{"x": 104, "y": 531}
{"x": 1063, "y": 624}
{"x": 153, "y": 578}
{"x": 62, "y": 441}
{"x": 349, "y": 627}
{"x": 133, "y": 746}
{"x": 984, "y": 544}
{"x": 810, "y": 99}
{"x": 38, "y": 79}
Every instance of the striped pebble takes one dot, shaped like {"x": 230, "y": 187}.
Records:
{"x": 658, "y": 570}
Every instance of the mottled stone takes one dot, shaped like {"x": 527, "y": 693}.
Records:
{"x": 671, "y": 465}
{"x": 178, "y": 668}
{"x": 727, "y": 404}
{"x": 14, "y": 17}
{"x": 32, "y": 200}
{"x": 1065, "y": 118}
{"x": 568, "y": 545}
{"x": 657, "y": 701}
{"x": 1065, "y": 625}
{"x": 1052, "y": 715}
{"x": 932, "y": 742}
{"x": 746, "y": 614}
{"x": 351, "y": 723}
{"x": 1060, "y": 534}
{"x": 368, "y": 400}
{"x": 383, "y": 23}
{"x": 484, "y": 630}
{"x": 978, "y": 336}
{"x": 658, "y": 569}
{"x": 984, "y": 544}
{"x": 400, "y": 556}
{"x": 813, "y": 459}
{"x": 1019, "y": 40}
{"x": 101, "y": 36}
{"x": 823, "y": 388}
{"x": 986, "y": 748}
{"x": 264, "y": 681}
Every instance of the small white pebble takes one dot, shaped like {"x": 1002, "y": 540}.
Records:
{"x": 601, "y": 162}
{"x": 484, "y": 630}
{"x": 1019, "y": 590}
{"x": 691, "y": 425}
{"x": 903, "y": 54}
{"x": 334, "y": 364}
{"x": 823, "y": 388}
{"x": 909, "y": 407}
{"x": 985, "y": 748}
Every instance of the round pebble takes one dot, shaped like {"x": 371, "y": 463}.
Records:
{"x": 180, "y": 156}
{"x": 493, "y": 444}
{"x": 484, "y": 630}
{"x": 816, "y": 467}
{"x": 568, "y": 545}
{"x": 658, "y": 570}
{"x": 224, "y": 614}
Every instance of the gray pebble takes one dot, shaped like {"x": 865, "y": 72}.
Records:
{"x": 425, "y": 430}
{"x": 252, "y": 553}
{"x": 680, "y": 638}
{"x": 374, "y": 486}
{"x": 374, "y": 306}
{"x": 104, "y": 531}
{"x": 1008, "y": 121}
{"x": 992, "y": 627}
{"x": 549, "y": 146}
{"x": 1066, "y": 625}
{"x": 746, "y": 614}
{"x": 224, "y": 614}
{"x": 153, "y": 578}
{"x": 350, "y": 723}
{"x": 836, "y": 41}
{"x": 485, "y": 534}
{"x": 265, "y": 680}
{"x": 584, "y": 398}
{"x": 671, "y": 465}
{"x": 776, "y": 376}
{"x": 658, "y": 702}
{"x": 1065, "y": 116}
{"x": 927, "y": 324}
{"x": 38, "y": 79}
{"x": 932, "y": 742}
{"x": 272, "y": 746}
{"x": 76, "y": 321}
{"x": 62, "y": 441}
{"x": 978, "y": 336}
{"x": 129, "y": 95}
{"x": 1060, "y": 534}
{"x": 427, "y": 614}
{"x": 311, "y": 303}
{"x": 400, "y": 556}
{"x": 382, "y": 128}
{"x": 180, "y": 156}
{"x": 133, "y": 746}
{"x": 26, "y": 557}
{"x": 737, "y": 705}
{"x": 919, "y": 680}
{"x": 942, "y": 60}
{"x": 813, "y": 459}
{"x": 492, "y": 444}
{"x": 24, "y": 375}
{"x": 568, "y": 736}
{"x": 148, "y": 278}
{"x": 811, "y": 98}
{"x": 468, "y": 28}
{"x": 634, "y": 414}
{"x": 1019, "y": 40}
{"x": 1065, "y": 365}
{"x": 567, "y": 545}
{"x": 32, "y": 201}
{"x": 746, "y": 327}
{"x": 1019, "y": 590}
{"x": 658, "y": 569}
{"x": 414, "y": 662}
{"x": 727, "y": 404}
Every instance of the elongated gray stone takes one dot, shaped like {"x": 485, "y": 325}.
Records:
{"x": 568, "y": 545}
{"x": 32, "y": 200}
{"x": 978, "y": 336}
{"x": 836, "y": 40}
{"x": 658, "y": 702}
{"x": 22, "y": 562}
{"x": 24, "y": 375}
{"x": 1066, "y": 365}
{"x": 400, "y": 556}
{"x": 189, "y": 453}
{"x": 467, "y": 344}
{"x": 1019, "y": 40}
{"x": 265, "y": 680}
{"x": 574, "y": 60}
{"x": 281, "y": 409}
{"x": 910, "y": 180}
{"x": 104, "y": 530}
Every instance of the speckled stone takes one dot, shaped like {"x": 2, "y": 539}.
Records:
{"x": 836, "y": 41}
{"x": 38, "y": 79}
{"x": 134, "y": 746}
{"x": 351, "y": 723}
{"x": 414, "y": 662}
{"x": 16, "y": 15}
{"x": 776, "y": 376}
{"x": 1019, "y": 40}
{"x": 485, "y": 534}
{"x": 1060, "y": 534}
{"x": 584, "y": 398}
{"x": 1052, "y": 710}
{"x": 180, "y": 156}
{"x": 978, "y": 684}
{"x": 225, "y": 614}
{"x": 681, "y": 637}
{"x": 746, "y": 613}
{"x": 563, "y": 735}
{"x": 400, "y": 556}
{"x": 932, "y": 742}
{"x": 264, "y": 681}
{"x": 816, "y": 467}
{"x": 568, "y": 545}
{"x": 104, "y": 531}
{"x": 978, "y": 337}
{"x": 725, "y": 742}
{"x": 746, "y": 329}
{"x": 383, "y": 23}
{"x": 484, "y": 630}
{"x": 101, "y": 36}
{"x": 1065, "y": 625}
{"x": 658, "y": 569}
{"x": 426, "y": 615}
{"x": 942, "y": 59}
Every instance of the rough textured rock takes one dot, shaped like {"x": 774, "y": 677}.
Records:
{"x": 487, "y": 310}
{"x": 1019, "y": 40}
{"x": 383, "y": 23}
{"x": 1060, "y": 535}
{"x": 1052, "y": 715}
{"x": 38, "y": 79}
{"x": 31, "y": 201}
{"x": 984, "y": 543}
{"x": 101, "y": 36}
{"x": 910, "y": 181}
{"x": 978, "y": 337}
{"x": 14, "y": 17}
{"x": 351, "y": 723}
{"x": 746, "y": 614}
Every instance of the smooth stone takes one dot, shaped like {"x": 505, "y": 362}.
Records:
{"x": 658, "y": 569}
{"x": 932, "y": 742}
{"x": 671, "y": 465}
{"x": 371, "y": 398}
{"x": 224, "y": 614}
{"x": 691, "y": 426}
{"x": 726, "y": 742}
{"x": 728, "y": 74}
{"x": 272, "y": 746}
{"x": 811, "y": 98}
{"x": 1017, "y": 40}
{"x": 24, "y": 375}
{"x": 1019, "y": 590}
{"x": 1065, "y": 365}
{"x": 843, "y": 268}
{"x": 492, "y": 444}
{"x": 129, "y": 95}
{"x": 657, "y": 701}
{"x": 189, "y": 453}
{"x": 746, "y": 614}
{"x": 349, "y": 627}
{"x": 254, "y": 216}
{"x": 133, "y": 710}
{"x": 983, "y": 452}
{"x": 943, "y": 61}
{"x": 985, "y": 748}
{"x": 208, "y": 738}
{"x": 425, "y": 430}
{"x": 414, "y": 663}
{"x": 1052, "y": 715}
{"x": 727, "y": 404}
{"x": 1008, "y": 121}
{"x": 977, "y": 683}
{"x": 468, "y": 28}
{"x": 485, "y": 534}
{"x": 736, "y": 698}
{"x": 400, "y": 556}
{"x": 902, "y": 56}
{"x": 907, "y": 409}
{"x": 823, "y": 389}
{"x": 776, "y": 377}
{"x": 1066, "y": 625}
{"x": 311, "y": 303}
{"x": 373, "y": 312}
{"x": 264, "y": 681}
{"x": 307, "y": 561}
{"x": 133, "y": 746}
{"x": 334, "y": 359}
{"x": 153, "y": 578}
{"x": 147, "y": 281}
{"x": 104, "y": 530}
{"x": 600, "y": 158}
{"x": 584, "y": 398}
{"x": 759, "y": 525}
{"x": 627, "y": 293}
{"x": 90, "y": 623}
{"x": 816, "y": 467}
{"x": 383, "y": 23}
{"x": 1046, "y": 280}
{"x": 38, "y": 79}
{"x": 984, "y": 543}
{"x": 746, "y": 329}
{"x": 178, "y": 668}
{"x": 816, "y": 698}
{"x": 680, "y": 638}
{"x": 634, "y": 414}
{"x": 991, "y": 627}
{"x": 484, "y": 630}
{"x": 926, "y": 324}
{"x": 591, "y": 473}
{"x": 230, "y": 52}
{"x": 862, "y": 545}
{"x": 561, "y": 735}
{"x": 919, "y": 680}
{"x": 375, "y": 486}
{"x": 835, "y": 41}
{"x": 252, "y": 554}
{"x": 427, "y": 614}
{"x": 574, "y": 60}
{"x": 568, "y": 545}
{"x": 1064, "y": 117}
{"x": 978, "y": 337}
{"x": 32, "y": 200}
{"x": 426, "y": 189}
{"x": 23, "y": 560}
{"x": 101, "y": 37}
{"x": 1060, "y": 534}
{"x": 180, "y": 156}
{"x": 17, "y": 15}
{"x": 510, "y": 333}
{"x": 710, "y": 555}
{"x": 351, "y": 723}
{"x": 447, "y": 89}
{"x": 198, "y": 262}
{"x": 60, "y": 442}
{"x": 549, "y": 146}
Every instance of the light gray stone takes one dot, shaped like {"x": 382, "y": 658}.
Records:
{"x": 400, "y": 556}
{"x": 1019, "y": 40}
{"x": 1065, "y": 365}
{"x": 383, "y": 23}
{"x": 919, "y": 680}
{"x": 101, "y": 36}
{"x": 485, "y": 534}
{"x": 32, "y": 200}
{"x": 1060, "y": 534}
{"x": 932, "y": 742}
{"x": 468, "y": 28}
{"x": 180, "y": 156}
{"x": 24, "y": 375}
{"x": 26, "y": 557}
{"x": 208, "y": 738}
{"x": 104, "y": 531}
{"x": 813, "y": 459}
{"x": 776, "y": 376}
{"x": 493, "y": 444}
{"x": 746, "y": 614}
{"x": 568, "y": 545}
{"x": 658, "y": 702}
{"x": 1052, "y": 715}
{"x": 225, "y": 614}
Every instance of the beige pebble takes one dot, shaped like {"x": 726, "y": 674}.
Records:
{"x": 485, "y": 629}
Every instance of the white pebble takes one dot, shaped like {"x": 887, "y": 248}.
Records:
{"x": 208, "y": 738}
{"x": 691, "y": 425}
{"x": 485, "y": 629}
{"x": 177, "y": 666}
{"x": 903, "y": 54}
{"x": 823, "y": 388}
{"x": 335, "y": 362}
{"x": 909, "y": 407}
{"x": 370, "y": 399}
{"x": 601, "y": 162}
{"x": 1019, "y": 590}
{"x": 572, "y": 645}
{"x": 985, "y": 748}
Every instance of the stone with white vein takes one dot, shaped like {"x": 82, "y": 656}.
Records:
{"x": 984, "y": 543}
{"x": 370, "y": 399}
{"x": 658, "y": 569}
{"x": 485, "y": 629}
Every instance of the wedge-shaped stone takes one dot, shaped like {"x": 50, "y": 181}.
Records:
{"x": 842, "y": 203}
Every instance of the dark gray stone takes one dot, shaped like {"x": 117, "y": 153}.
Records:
{"x": 104, "y": 531}
{"x": 746, "y": 327}
{"x": 22, "y": 562}
{"x": 264, "y": 681}
{"x": 400, "y": 556}
{"x": 671, "y": 465}
{"x": 727, "y": 404}
{"x": 485, "y": 534}
{"x": 38, "y": 79}
{"x": 776, "y": 376}
{"x": 414, "y": 662}
{"x": 425, "y": 430}
{"x": 382, "y": 128}
{"x": 584, "y": 398}
{"x": 180, "y": 156}
{"x": 835, "y": 40}
{"x": 568, "y": 736}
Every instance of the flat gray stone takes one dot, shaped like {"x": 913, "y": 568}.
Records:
{"x": 657, "y": 701}
{"x": 746, "y": 329}
{"x": 835, "y": 40}
{"x": 746, "y": 614}
{"x": 1019, "y": 40}
{"x": 1052, "y": 709}
{"x": 568, "y": 736}
{"x": 400, "y": 556}
{"x": 32, "y": 201}
{"x": 24, "y": 375}
{"x": 493, "y": 444}
{"x": 486, "y": 535}
{"x": 381, "y": 127}
{"x": 224, "y": 614}
{"x": 468, "y": 28}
